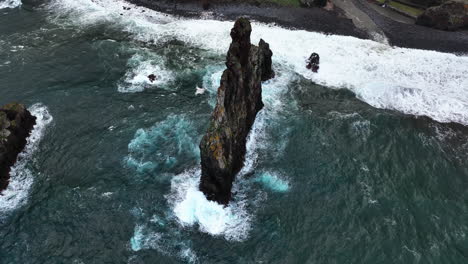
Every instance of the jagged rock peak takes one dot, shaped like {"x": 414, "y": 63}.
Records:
{"x": 239, "y": 99}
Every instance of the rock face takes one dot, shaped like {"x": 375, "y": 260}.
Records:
{"x": 16, "y": 124}
{"x": 239, "y": 99}
{"x": 451, "y": 15}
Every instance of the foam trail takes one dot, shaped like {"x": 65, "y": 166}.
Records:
{"x": 155, "y": 234}
{"x": 9, "y": 3}
{"x": 273, "y": 182}
{"x": 144, "y": 239}
{"x": 21, "y": 177}
{"x": 158, "y": 147}
{"x": 418, "y": 82}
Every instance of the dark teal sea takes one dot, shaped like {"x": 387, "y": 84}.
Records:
{"x": 365, "y": 162}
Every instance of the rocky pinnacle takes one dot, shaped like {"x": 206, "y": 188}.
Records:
{"x": 239, "y": 100}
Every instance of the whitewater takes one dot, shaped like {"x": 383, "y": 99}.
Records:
{"x": 21, "y": 176}
{"x": 9, "y": 3}
{"x": 156, "y": 181}
{"x": 417, "y": 82}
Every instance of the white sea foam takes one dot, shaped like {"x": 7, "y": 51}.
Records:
{"x": 233, "y": 222}
{"x": 156, "y": 148}
{"x": 140, "y": 67}
{"x": 9, "y": 3}
{"x": 21, "y": 177}
{"x": 273, "y": 181}
{"x": 418, "y": 82}
{"x": 191, "y": 208}
{"x": 144, "y": 239}
{"x": 167, "y": 241}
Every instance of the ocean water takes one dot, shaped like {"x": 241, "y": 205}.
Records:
{"x": 363, "y": 162}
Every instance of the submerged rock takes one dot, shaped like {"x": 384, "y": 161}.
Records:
{"x": 239, "y": 100}
{"x": 451, "y": 15}
{"x": 16, "y": 124}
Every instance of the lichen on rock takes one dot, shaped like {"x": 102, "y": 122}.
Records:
{"x": 239, "y": 100}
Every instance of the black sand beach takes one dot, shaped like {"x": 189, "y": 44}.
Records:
{"x": 320, "y": 20}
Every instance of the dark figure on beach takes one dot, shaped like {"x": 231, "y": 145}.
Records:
{"x": 313, "y": 62}
{"x": 152, "y": 77}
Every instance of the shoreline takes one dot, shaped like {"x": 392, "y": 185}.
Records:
{"x": 375, "y": 26}
{"x": 310, "y": 19}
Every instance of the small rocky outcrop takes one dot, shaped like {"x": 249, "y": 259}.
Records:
{"x": 239, "y": 100}
{"x": 451, "y": 15}
{"x": 16, "y": 124}
{"x": 313, "y": 63}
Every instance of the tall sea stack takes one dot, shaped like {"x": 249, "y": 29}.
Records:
{"x": 239, "y": 100}
{"x": 16, "y": 123}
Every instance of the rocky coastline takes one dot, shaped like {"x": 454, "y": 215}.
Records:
{"x": 16, "y": 124}
{"x": 239, "y": 100}
{"x": 355, "y": 18}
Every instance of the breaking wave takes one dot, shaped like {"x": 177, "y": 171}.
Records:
{"x": 9, "y": 3}
{"x": 21, "y": 176}
{"x": 141, "y": 66}
{"x": 191, "y": 208}
{"x": 418, "y": 82}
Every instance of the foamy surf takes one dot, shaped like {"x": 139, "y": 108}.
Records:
{"x": 417, "y": 82}
{"x": 9, "y": 3}
{"x": 273, "y": 181}
{"x": 191, "y": 208}
{"x": 155, "y": 234}
{"x": 159, "y": 147}
{"x": 21, "y": 177}
{"x": 141, "y": 67}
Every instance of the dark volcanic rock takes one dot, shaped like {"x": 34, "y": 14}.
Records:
{"x": 16, "y": 124}
{"x": 312, "y": 3}
{"x": 451, "y": 15}
{"x": 152, "y": 77}
{"x": 239, "y": 99}
{"x": 424, "y": 3}
{"x": 313, "y": 62}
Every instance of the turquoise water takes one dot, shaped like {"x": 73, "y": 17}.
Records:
{"x": 342, "y": 167}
